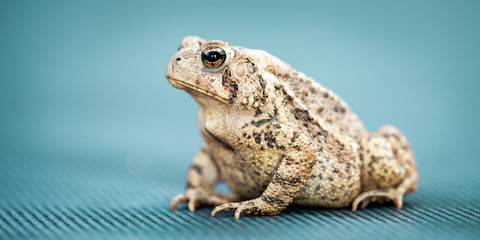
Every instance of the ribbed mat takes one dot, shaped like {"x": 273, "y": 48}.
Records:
{"x": 95, "y": 195}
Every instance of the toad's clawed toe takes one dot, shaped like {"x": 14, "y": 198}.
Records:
{"x": 238, "y": 207}
{"x": 197, "y": 197}
{"x": 255, "y": 206}
{"x": 377, "y": 195}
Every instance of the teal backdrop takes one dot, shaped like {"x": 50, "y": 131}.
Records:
{"x": 94, "y": 142}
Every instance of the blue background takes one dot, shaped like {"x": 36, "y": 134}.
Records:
{"x": 95, "y": 142}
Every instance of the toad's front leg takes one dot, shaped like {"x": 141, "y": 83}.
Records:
{"x": 291, "y": 175}
{"x": 201, "y": 179}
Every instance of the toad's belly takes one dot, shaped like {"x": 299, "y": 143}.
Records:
{"x": 245, "y": 176}
{"x": 331, "y": 184}
{"x": 331, "y": 187}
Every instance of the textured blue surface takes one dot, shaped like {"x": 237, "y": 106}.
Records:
{"x": 94, "y": 142}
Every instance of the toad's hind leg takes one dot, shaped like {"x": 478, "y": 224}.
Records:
{"x": 389, "y": 171}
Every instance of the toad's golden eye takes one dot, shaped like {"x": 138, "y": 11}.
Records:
{"x": 213, "y": 57}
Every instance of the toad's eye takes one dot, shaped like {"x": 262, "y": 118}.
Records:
{"x": 213, "y": 57}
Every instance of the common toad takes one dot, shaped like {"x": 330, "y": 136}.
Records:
{"x": 277, "y": 137}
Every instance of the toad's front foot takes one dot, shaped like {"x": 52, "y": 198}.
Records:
{"x": 199, "y": 197}
{"x": 255, "y": 206}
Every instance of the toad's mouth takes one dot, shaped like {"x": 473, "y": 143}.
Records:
{"x": 197, "y": 89}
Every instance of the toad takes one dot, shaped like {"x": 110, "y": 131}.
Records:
{"x": 277, "y": 137}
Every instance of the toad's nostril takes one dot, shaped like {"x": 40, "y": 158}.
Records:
{"x": 178, "y": 59}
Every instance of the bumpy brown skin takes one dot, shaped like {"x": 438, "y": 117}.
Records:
{"x": 277, "y": 137}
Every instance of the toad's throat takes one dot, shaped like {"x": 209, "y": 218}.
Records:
{"x": 220, "y": 98}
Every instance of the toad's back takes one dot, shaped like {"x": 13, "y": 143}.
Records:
{"x": 324, "y": 104}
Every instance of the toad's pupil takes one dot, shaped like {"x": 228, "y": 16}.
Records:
{"x": 213, "y": 55}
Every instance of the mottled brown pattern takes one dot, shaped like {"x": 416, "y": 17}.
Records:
{"x": 277, "y": 137}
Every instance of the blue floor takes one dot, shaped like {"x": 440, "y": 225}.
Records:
{"x": 64, "y": 195}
